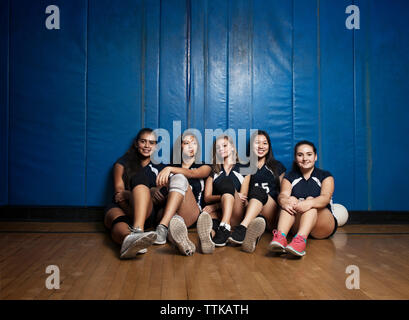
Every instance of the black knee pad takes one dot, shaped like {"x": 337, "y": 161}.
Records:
{"x": 138, "y": 179}
{"x": 125, "y": 219}
{"x": 258, "y": 193}
{"x": 223, "y": 186}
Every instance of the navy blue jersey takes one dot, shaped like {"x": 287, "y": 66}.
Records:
{"x": 302, "y": 188}
{"x": 234, "y": 175}
{"x": 151, "y": 170}
{"x": 196, "y": 184}
{"x": 265, "y": 178}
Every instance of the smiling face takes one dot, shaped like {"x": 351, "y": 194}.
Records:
{"x": 305, "y": 157}
{"x": 261, "y": 146}
{"x": 189, "y": 147}
{"x": 146, "y": 144}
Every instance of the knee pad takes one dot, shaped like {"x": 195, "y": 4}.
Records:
{"x": 225, "y": 185}
{"x": 125, "y": 219}
{"x": 138, "y": 179}
{"x": 258, "y": 193}
{"x": 178, "y": 183}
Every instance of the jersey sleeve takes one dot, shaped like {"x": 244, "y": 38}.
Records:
{"x": 122, "y": 160}
{"x": 324, "y": 174}
{"x": 290, "y": 176}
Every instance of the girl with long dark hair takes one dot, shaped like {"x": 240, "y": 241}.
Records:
{"x": 264, "y": 187}
{"x": 136, "y": 198}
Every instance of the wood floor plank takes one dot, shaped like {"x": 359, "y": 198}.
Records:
{"x": 90, "y": 267}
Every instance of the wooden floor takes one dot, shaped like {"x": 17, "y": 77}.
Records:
{"x": 90, "y": 268}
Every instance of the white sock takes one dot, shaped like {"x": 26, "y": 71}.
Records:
{"x": 226, "y": 225}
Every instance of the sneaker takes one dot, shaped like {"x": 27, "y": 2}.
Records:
{"x": 254, "y": 232}
{"x": 162, "y": 232}
{"x": 238, "y": 234}
{"x": 297, "y": 246}
{"x": 221, "y": 236}
{"x": 136, "y": 242}
{"x": 278, "y": 243}
{"x": 179, "y": 236}
{"x": 204, "y": 230}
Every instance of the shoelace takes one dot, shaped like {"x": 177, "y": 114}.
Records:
{"x": 277, "y": 234}
{"x": 299, "y": 239}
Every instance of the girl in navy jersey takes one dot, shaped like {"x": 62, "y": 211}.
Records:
{"x": 264, "y": 187}
{"x": 133, "y": 206}
{"x": 224, "y": 195}
{"x": 305, "y": 199}
{"x": 185, "y": 198}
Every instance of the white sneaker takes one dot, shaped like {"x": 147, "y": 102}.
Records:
{"x": 178, "y": 235}
{"x": 136, "y": 242}
{"x": 162, "y": 233}
{"x": 254, "y": 232}
{"x": 204, "y": 229}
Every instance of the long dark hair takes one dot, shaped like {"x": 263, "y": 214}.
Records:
{"x": 134, "y": 158}
{"x": 295, "y": 165}
{"x": 271, "y": 162}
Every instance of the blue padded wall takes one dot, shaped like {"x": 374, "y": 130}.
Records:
{"x": 4, "y": 104}
{"x": 114, "y": 90}
{"x": 47, "y": 104}
{"x": 77, "y": 96}
{"x": 382, "y": 66}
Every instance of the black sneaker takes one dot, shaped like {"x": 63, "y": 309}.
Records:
{"x": 221, "y": 236}
{"x": 237, "y": 236}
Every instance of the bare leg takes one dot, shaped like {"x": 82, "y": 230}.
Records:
{"x": 142, "y": 205}
{"x": 188, "y": 209}
{"x": 325, "y": 224}
{"x": 173, "y": 203}
{"x": 238, "y": 210}
{"x": 307, "y": 222}
{"x": 185, "y": 206}
{"x": 253, "y": 210}
{"x": 268, "y": 211}
{"x": 120, "y": 230}
{"x": 227, "y": 203}
{"x": 285, "y": 222}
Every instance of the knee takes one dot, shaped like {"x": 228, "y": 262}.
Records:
{"x": 258, "y": 193}
{"x": 178, "y": 183}
{"x": 122, "y": 219}
{"x": 225, "y": 185}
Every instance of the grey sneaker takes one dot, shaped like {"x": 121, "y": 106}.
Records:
{"x": 204, "y": 229}
{"x": 179, "y": 236}
{"x": 255, "y": 230}
{"x": 136, "y": 243}
{"x": 162, "y": 233}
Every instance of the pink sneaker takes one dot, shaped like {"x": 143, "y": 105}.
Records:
{"x": 297, "y": 246}
{"x": 278, "y": 243}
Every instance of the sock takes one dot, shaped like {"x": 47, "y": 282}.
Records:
{"x": 227, "y": 226}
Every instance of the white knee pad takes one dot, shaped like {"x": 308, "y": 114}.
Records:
{"x": 178, "y": 183}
